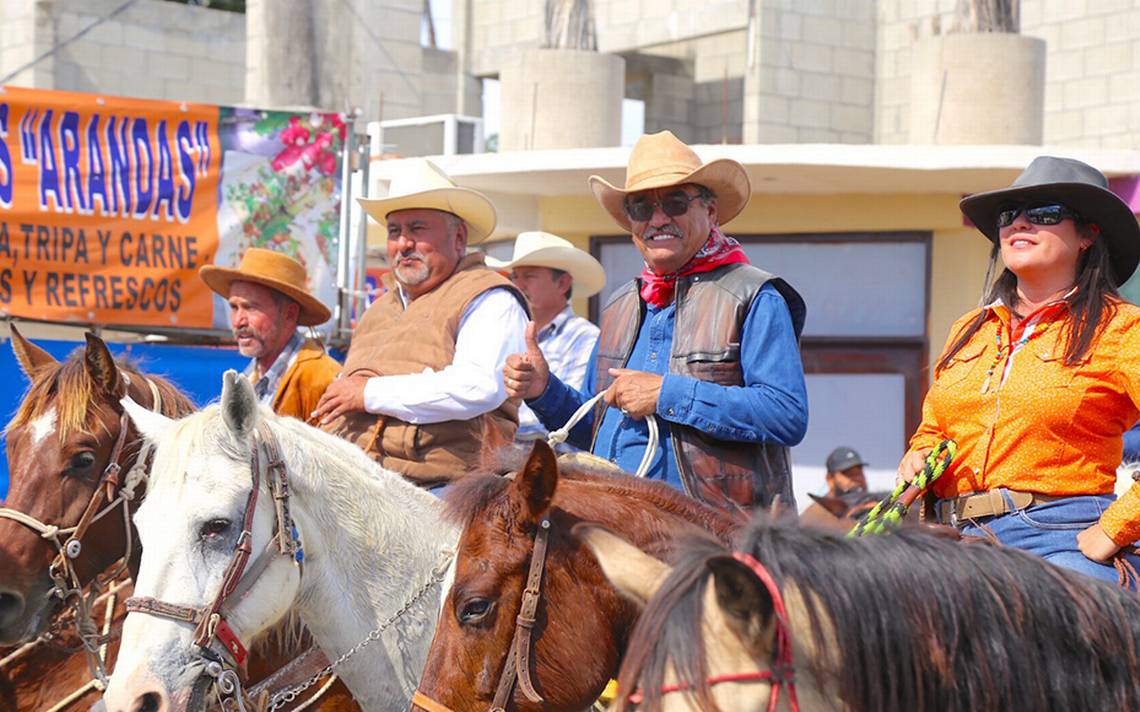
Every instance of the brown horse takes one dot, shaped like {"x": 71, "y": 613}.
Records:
{"x": 801, "y": 618}
{"x": 60, "y": 444}
{"x": 580, "y": 623}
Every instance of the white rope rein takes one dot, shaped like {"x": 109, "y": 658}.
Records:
{"x": 557, "y": 437}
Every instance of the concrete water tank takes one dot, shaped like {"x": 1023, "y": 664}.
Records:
{"x": 978, "y": 88}
{"x": 560, "y": 98}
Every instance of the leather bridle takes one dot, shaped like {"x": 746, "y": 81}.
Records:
{"x": 210, "y": 625}
{"x": 113, "y": 491}
{"x": 516, "y": 668}
{"x": 781, "y": 672}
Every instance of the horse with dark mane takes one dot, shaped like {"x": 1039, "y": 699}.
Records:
{"x": 889, "y": 623}
{"x": 67, "y": 436}
{"x": 548, "y": 640}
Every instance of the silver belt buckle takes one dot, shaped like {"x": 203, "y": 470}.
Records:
{"x": 954, "y": 512}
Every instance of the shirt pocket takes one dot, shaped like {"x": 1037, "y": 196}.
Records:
{"x": 961, "y": 365}
{"x": 722, "y": 368}
{"x": 1055, "y": 392}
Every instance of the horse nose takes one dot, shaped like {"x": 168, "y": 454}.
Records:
{"x": 146, "y": 699}
{"x": 11, "y": 607}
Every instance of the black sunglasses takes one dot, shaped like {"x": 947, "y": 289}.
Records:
{"x": 674, "y": 204}
{"x": 1038, "y": 214}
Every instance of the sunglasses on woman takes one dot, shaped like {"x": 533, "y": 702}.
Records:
{"x": 1038, "y": 214}
{"x": 674, "y": 204}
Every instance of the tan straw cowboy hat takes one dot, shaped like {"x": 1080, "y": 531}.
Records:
{"x": 421, "y": 184}
{"x": 541, "y": 249}
{"x": 660, "y": 160}
{"x": 272, "y": 269}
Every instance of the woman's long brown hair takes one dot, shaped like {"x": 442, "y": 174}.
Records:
{"x": 1093, "y": 302}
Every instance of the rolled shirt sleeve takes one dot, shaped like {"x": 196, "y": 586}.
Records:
{"x": 492, "y": 327}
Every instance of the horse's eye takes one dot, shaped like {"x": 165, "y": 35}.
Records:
{"x": 81, "y": 461}
{"x": 474, "y": 610}
{"x": 215, "y": 528}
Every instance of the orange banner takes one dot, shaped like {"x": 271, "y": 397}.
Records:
{"x": 108, "y": 207}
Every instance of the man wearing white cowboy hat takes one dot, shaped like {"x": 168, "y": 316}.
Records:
{"x": 422, "y": 382}
{"x": 548, "y": 269}
{"x": 268, "y": 300}
{"x": 700, "y": 339}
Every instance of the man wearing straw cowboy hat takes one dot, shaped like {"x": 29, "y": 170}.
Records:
{"x": 269, "y": 298}
{"x": 422, "y": 382}
{"x": 700, "y": 339}
{"x": 548, "y": 269}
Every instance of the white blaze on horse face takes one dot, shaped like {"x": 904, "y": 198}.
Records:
{"x": 43, "y": 426}
{"x": 185, "y": 557}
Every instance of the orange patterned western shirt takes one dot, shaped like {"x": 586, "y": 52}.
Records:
{"x": 1026, "y": 421}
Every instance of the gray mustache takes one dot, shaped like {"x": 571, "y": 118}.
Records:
{"x": 670, "y": 230}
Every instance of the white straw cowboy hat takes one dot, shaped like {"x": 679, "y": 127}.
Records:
{"x": 275, "y": 270}
{"x": 541, "y": 249}
{"x": 421, "y": 184}
{"x": 1076, "y": 185}
{"x": 661, "y": 160}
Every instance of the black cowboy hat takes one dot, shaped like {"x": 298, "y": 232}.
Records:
{"x": 1076, "y": 185}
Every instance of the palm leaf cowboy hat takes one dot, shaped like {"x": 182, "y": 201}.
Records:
{"x": 272, "y": 269}
{"x": 542, "y": 249}
{"x": 422, "y": 184}
{"x": 1076, "y": 185}
{"x": 661, "y": 160}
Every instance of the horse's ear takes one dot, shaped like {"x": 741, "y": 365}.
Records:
{"x": 32, "y": 358}
{"x": 149, "y": 423}
{"x": 536, "y": 482}
{"x": 239, "y": 404}
{"x": 101, "y": 366}
{"x": 742, "y": 596}
{"x": 632, "y": 572}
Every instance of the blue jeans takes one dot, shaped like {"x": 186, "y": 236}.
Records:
{"x": 1050, "y": 531}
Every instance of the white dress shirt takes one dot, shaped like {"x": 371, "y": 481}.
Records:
{"x": 492, "y": 327}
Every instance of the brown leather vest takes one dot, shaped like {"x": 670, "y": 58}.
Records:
{"x": 391, "y": 341}
{"x": 711, "y": 308}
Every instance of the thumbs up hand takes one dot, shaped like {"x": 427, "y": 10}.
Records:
{"x": 525, "y": 375}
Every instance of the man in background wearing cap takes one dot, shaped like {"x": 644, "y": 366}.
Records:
{"x": 700, "y": 339}
{"x": 845, "y": 472}
{"x": 422, "y": 382}
{"x": 547, "y": 270}
{"x": 268, "y": 299}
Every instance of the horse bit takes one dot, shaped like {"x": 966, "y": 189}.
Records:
{"x": 111, "y": 492}
{"x": 781, "y": 672}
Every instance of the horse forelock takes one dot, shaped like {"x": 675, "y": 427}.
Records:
{"x": 67, "y": 387}
{"x": 914, "y": 621}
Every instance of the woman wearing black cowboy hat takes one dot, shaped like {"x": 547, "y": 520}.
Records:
{"x": 1038, "y": 386}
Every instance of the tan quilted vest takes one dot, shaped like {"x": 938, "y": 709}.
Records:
{"x": 391, "y": 341}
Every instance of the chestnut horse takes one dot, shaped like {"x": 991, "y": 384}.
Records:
{"x": 59, "y": 444}
{"x": 577, "y": 624}
{"x": 801, "y": 618}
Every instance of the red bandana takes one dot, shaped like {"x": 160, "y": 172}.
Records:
{"x": 720, "y": 250}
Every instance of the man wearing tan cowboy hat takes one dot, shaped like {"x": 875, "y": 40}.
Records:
{"x": 268, "y": 300}
{"x": 423, "y": 382}
{"x": 700, "y": 339}
{"x": 548, "y": 269}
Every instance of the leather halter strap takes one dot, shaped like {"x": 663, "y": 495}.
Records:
{"x": 209, "y": 621}
{"x": 781, "y": 672}
{"x": 517, "y": 664}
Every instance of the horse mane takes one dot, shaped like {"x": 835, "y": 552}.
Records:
{"x": 581, "y": 484}
{"x": 911, "y": 621}
{"x": 68, "y": 387}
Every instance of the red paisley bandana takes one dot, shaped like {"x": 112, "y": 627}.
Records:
{"x": 657, "y": 289}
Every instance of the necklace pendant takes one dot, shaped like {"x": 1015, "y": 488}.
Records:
{"x": 986, "y": 384}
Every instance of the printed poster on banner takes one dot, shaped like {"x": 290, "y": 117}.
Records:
{"x": 110, "y": 205}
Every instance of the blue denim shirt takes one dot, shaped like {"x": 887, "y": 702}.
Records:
{"x": 771, "y": 406}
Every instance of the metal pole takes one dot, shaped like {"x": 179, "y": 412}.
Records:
{"x": 343, "y": 329}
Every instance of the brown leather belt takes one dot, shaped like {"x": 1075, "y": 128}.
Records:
{"x": 990, "y": 503}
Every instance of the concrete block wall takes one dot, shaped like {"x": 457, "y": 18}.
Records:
{"x": 1092, "y": 75}
{"x": 26, "y": 32}
{"x": 154, "y": 50}
{"x": 811, "y": 73}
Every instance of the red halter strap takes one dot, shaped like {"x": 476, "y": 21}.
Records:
{"x": 781, "y": 672}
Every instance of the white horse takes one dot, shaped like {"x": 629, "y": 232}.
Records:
{"x": 374, "y": 547}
